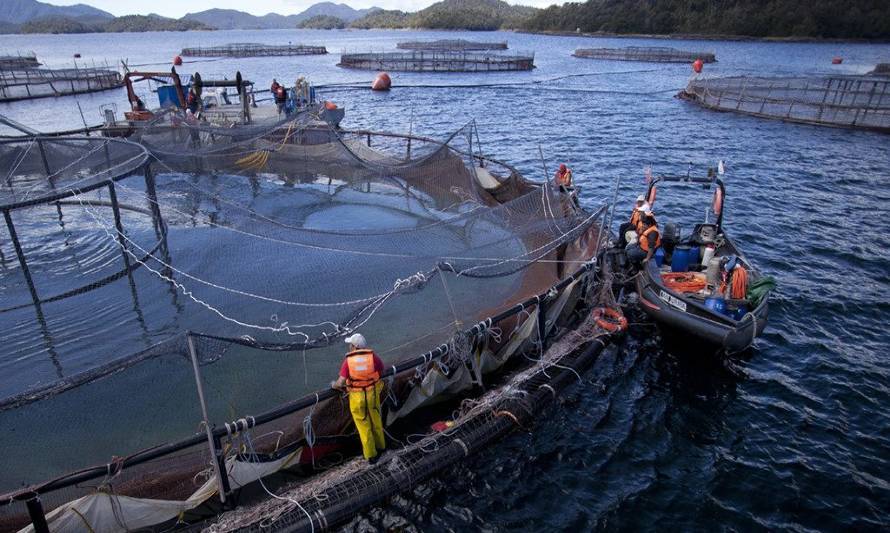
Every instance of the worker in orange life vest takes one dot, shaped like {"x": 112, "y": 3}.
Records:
{"x": 360, "y": 375}
{"x": 634, "y": 223}
{"x": 649, "y": 241}
{"x": 563, "y": 176}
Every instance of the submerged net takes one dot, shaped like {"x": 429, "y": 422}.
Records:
{"x": 242, "y": 258}
{"x": 843, "y": 101}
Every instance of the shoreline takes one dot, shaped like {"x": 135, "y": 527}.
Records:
{"x": 703, "y": 37}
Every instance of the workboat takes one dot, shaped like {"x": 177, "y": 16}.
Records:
{"x": 222, "y": 103}
{"x": 700, "y": 284}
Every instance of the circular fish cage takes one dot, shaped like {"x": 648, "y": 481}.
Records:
{"x": 451, "y": 44}
{"x": 273, "y": 248}
{"x": 56, "y": 187}
{"x": 858, "y": 102}
{"x": 438, "y": 61}
{"x": 654, "y": 54}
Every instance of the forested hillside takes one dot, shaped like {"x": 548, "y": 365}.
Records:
{"x": 865, "y": 19}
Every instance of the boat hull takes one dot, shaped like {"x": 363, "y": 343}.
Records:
{"x": 717, "y": 331}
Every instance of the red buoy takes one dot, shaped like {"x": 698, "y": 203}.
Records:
{"x": 837, "y": 60}
{"x": 697, "y": 65}
{"x": 177, "y": 60}
{"x": 382, "y": 82}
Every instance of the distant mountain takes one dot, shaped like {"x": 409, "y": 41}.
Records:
{"x": 341, "y": 11}
{"x": 21, "y": 11}
{"x": 453, "y": 15}
{"x": 231, "y": 19}
{"x": 472, "y": 15}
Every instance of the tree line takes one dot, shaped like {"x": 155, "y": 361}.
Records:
{"x": 856, "y": 19}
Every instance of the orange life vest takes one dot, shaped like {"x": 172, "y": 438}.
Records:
{"x": 644, "y": 238}
{"x": 635, "y": 219}
{"x": 564, "y": 178}
{"x": 361, "y": 370}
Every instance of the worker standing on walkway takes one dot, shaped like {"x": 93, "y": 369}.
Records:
{"x": 360, "y": 375}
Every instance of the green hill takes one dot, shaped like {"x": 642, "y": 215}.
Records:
{"x": 453, "y": 15}
{"x": 860, "y": 19}
{"x": 129, "y": 23}
{"x": 382, "y": 19}
{"x": 323, "y": 22}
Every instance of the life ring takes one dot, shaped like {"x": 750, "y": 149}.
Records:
{"x": 609, "y": 319}
{"x": 684, "y": 281}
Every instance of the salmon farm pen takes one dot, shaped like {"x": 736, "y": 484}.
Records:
{"x": 39, "y": 83}
{"x": 488, "y": 268}
{"x": 438, "y": 61}
{"x": 654, "y": 54}
{"x": 9, "y": 62}
{"x": 842, "y": 101}
{"x": 451, "y": 44}
{"x": 253, "y": 50}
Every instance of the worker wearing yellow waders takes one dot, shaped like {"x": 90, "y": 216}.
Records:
{"x": 360, "y": 375}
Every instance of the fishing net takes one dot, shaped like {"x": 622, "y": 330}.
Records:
{"x": 234, "y": 262}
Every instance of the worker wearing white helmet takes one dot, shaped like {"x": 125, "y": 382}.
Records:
{"x": 634, "y": 223}
{"x": 360, "y": 375}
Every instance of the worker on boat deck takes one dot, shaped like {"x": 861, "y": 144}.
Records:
{"x": 193, "y": 103}
{"x": 563, "y": 177}
{"x": 138, "y": 104}
{"x": 280, "y": 95}
{"x": 650, "y": 239}
{"x": 274, "y": 87}
{"x": 360, "y": 374}
{"x": 634, "y": 223}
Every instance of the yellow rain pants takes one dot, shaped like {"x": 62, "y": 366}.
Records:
{"x": 365, "y": 408}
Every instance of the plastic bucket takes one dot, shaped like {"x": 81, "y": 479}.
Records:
{"x": 680, "y": 259}
{"x": 659, "y": 257}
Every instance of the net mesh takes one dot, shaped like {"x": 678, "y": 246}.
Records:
{"x": 270, "y": 245}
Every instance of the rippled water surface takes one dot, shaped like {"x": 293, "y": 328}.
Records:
{"x": 796, "y": 434}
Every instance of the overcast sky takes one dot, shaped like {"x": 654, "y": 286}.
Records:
{"x": 178, "y": 8}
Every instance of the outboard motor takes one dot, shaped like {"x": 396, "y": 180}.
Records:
{"x": 670, "y": 237}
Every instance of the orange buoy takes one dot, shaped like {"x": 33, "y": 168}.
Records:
{"x": 837, "y": 60}
{"x": 330, "y": 106}
{"x": 697, "y": 65}
{"x": 177, "y": 60}
{"x": 609, "y": 319}
{"x": 382, "y": 82}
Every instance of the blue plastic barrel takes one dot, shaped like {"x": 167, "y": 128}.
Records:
{"x": 680, "y": 259}
{"x": 659, "y": 256}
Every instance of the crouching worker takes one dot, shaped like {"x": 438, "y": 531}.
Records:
{"x": 360, "y": 375}
{"x": 650, "y": 239}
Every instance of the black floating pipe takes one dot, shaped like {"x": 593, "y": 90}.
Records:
{"x": 21, "y": 256}
{"x": 38, "y": 517}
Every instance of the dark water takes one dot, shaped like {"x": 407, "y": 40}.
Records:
{"x": 796, "y": 434}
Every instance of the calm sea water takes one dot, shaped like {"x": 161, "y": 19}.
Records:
{"x": 792, "y": 436}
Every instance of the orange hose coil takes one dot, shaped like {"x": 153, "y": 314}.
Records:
{"x": 609, "y": 319}
{"x": 684, "y": 281}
